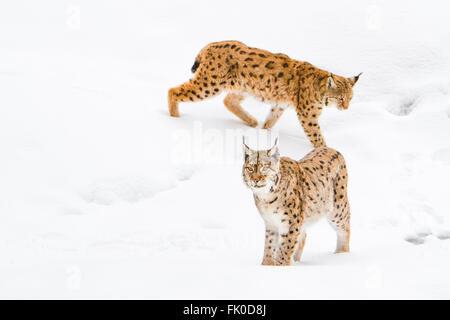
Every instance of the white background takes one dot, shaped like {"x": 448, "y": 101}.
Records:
{"x": 103, "y": 195}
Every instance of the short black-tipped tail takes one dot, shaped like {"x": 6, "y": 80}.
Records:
{"x": 195, "y": 66}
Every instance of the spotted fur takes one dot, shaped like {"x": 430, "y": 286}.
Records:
{"x": 240, "y": 70}
{"x": 290, "y": 195}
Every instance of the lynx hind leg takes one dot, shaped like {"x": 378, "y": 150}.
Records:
{"x": 301, "y": 244}
{"x": 190, "y": 91}
{"x": 340, "y": 222}
{"x": 272, "y": 118}
{"x": 233, "y": 103}
{"x": 340, "y": 217}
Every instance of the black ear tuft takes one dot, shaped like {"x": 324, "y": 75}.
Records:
{"x": 354, "y": 79}
{"x": 246, "y": 149}
{"x": 195, "y": 66}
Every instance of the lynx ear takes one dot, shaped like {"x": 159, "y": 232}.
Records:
{"x": 354, "y": 79}
{"x": 274, "y": 152}
{"x": 247, "y": 150}
{"x": 331, "y": 82}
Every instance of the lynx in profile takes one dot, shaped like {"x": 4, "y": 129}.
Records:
{"x": 290, "y": 195}
{"x": 240, "y": 70}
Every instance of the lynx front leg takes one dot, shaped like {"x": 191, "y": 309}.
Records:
{"x": 275, "y": 113}
{"x": 270, "y": 247}
{"x": 189, "y": 92}
{"x": 286, "y": 249}
{"x": 299, "y": 249}
{"x": 312, "y": 130}
{"x": 233, "y": 103}
{"x": 309, "y": 118}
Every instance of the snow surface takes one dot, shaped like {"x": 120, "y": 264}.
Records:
{"x": 106, "y": 196}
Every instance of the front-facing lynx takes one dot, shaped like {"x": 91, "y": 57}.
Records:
{"x": 290, "y": 195}
{"x": 281, "y": 81}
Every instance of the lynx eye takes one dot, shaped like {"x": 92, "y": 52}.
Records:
{"x": 249, "y": 169}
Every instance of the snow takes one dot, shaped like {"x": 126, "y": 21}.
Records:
{"x": 106, "y": 196}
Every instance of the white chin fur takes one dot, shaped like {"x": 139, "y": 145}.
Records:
{"x": 333, "y": 104}
{"x": 260, "y": 190}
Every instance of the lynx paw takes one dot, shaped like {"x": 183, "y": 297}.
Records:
{"x": 341, "y": 251}
{"x": 253, "y": 123}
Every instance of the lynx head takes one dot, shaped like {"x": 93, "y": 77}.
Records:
{"x": 261, "y": 168}
{"x": 339, "y": 90}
